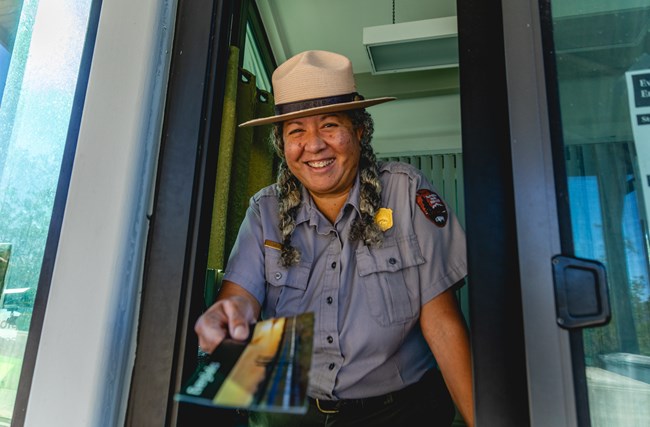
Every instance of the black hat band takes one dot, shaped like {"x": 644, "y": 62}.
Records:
{"x": 292, "y": 107}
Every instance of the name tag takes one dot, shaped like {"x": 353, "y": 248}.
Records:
{"x": 273, "y": 245}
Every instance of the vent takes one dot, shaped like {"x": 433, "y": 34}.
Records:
{"x": 411, "y": 46}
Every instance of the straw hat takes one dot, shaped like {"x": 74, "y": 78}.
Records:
{"x": 314, "y": 82}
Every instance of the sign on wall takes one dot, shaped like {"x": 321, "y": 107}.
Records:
{"x": 638, "y": 89}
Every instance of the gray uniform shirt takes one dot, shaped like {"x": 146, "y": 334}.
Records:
{"x": 367, "y": 339}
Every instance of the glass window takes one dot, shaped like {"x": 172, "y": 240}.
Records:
{"x": 253, "y": 61}
{"x": 40, "y": 55}
{"x": 603, "y": 71}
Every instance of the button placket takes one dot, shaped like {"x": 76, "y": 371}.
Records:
{"x": 330, "y": 284}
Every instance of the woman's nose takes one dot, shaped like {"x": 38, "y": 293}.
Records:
{"x": 314, "y": 143}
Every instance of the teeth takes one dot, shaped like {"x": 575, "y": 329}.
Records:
{"x": 320, "y": 163}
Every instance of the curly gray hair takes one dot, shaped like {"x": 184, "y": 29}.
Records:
{"x": 289, "y": 194}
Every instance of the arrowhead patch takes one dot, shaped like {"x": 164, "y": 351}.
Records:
{"x": 432, "y": 206}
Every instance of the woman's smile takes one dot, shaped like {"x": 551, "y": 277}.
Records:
{"x": 323, "y": 152}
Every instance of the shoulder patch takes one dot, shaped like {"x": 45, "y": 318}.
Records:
{"x": 432, "y": 206}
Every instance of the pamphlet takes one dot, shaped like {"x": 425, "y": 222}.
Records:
{"x": 269, "y": 372}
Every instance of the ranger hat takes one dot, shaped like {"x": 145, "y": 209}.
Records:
{"x": 314, "y": 82}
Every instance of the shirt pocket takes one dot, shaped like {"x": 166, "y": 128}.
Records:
{"x": 285, "y": 287}
{"x": 382, "y": 271}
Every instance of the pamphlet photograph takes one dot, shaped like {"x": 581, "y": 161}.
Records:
{"x": 269, "y": 372}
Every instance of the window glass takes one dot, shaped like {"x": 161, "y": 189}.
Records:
{"x": 40, "y": 54}
{"x": 603, "y": 72}
{"x": 253, "y": 61}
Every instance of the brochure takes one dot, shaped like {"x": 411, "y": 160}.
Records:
{"x": 269, "y": 372}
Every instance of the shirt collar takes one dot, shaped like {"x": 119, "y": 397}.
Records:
{"x": 308, "y": 210}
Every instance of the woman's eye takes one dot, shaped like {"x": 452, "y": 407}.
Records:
{"x": 294, "y": 131}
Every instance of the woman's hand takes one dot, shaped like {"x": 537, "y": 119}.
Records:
{"x": 230, "y": 316}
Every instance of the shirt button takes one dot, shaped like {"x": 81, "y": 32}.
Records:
{"x": 330, "y": 339}
{"x": 334, "y": 265}
{"x": 392, "y": 261}
{"x": 331, "y": 366}
{"x": 330, "y": 300}
{"x": 278, "y": 276}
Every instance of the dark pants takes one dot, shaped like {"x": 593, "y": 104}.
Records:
{"x": 426, "y": 403}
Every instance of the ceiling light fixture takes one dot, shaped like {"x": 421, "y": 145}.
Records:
{"x": 411, "y": 46}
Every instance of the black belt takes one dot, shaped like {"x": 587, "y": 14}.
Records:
{"x": 408, "y": 392}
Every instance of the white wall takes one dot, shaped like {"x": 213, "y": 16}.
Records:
{"x": 424, "y": 125}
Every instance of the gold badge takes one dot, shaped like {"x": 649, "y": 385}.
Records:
{"x": 384, "y": 218}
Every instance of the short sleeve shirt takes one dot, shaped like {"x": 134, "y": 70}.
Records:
{"x": 366, "y": 300}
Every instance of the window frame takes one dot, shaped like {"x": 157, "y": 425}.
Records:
{"x": 176, "y": 261}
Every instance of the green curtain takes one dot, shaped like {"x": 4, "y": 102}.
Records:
{"x": 246, "y": 163}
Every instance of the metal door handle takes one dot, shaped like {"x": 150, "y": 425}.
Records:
{"x": 581, "y": 292}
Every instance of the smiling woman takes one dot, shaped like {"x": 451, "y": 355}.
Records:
{"x": 323, "y": 153}
{"x": 381, "y": 287}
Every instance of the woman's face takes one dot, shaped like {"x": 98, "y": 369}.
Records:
{"x": 323, "y": 152}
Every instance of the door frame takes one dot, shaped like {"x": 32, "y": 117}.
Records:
{"x": 520, "y": 379}
{"x": 549, "y": 348}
